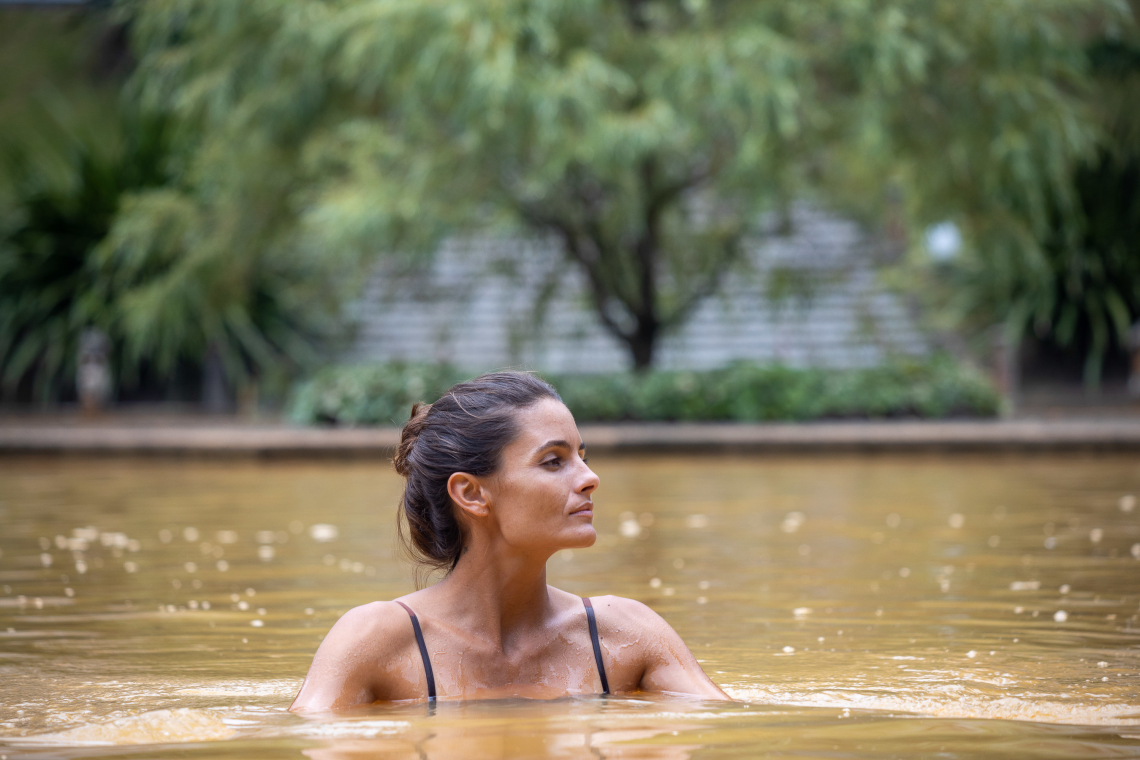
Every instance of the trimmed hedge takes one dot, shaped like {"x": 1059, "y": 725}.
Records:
{"x": 931, "y": 388}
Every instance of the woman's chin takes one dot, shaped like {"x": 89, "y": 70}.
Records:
{"x": 581, "y": 538}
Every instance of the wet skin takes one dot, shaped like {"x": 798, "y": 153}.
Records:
{"x": 493, "y": 626}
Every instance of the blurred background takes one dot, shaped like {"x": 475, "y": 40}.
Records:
{"x": 323, "y": 210}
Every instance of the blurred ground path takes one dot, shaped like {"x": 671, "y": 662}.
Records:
{"x": 191, "y": 434}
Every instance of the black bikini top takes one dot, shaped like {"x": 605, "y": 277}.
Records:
{"x": 431, "y": 676}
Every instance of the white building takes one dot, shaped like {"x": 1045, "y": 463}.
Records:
{"x": 495, "y": 302}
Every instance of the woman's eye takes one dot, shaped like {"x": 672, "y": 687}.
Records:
{"x": 556, "y": 461}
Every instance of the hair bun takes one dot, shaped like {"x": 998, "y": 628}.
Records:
{"x": 409, "y": 434}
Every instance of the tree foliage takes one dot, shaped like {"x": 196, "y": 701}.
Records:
{"x": 647, "y": 136}
{"x": 1061, "y": 264}
{"x": 98, "y": 229}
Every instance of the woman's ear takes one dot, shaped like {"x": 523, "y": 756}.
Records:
{"x": 467, "y": 493}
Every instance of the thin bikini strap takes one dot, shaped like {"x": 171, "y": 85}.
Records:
{"x": 597, "y": 644}
{"x": 424, "y": 653}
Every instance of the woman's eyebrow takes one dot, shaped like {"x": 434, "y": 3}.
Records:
{"x": 559, "y": 443}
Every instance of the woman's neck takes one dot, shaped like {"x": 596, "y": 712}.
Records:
{"x": 497, "y": 595}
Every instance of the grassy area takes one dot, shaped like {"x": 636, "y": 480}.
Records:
{"x": 928, "y": 388}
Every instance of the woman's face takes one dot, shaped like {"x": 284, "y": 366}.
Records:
{"x": 541, "y": 494}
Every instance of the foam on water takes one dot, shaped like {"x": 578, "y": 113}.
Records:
{"x": 1036, "y": 710}
{"x": 156, "y": 727}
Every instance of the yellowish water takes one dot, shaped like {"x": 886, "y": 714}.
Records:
{"x": 856, "y": 607}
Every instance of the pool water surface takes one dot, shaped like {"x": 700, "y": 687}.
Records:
{"x": 902, "y": 606}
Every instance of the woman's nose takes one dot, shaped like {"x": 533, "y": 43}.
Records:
{"x": 591, "y": 481}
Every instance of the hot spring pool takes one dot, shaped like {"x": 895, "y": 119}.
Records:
{"x": 856, "y": 607}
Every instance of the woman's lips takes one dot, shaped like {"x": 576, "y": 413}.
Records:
{"x": 588, "y": 507}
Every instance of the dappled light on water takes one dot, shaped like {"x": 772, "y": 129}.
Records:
{"x": 856, "y": 607}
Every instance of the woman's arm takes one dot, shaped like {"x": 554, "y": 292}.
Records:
{"x": 351, "y": 664}
{"x": 660, "y": 661}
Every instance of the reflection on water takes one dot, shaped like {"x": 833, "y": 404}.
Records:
{"x": 857, "y": 607}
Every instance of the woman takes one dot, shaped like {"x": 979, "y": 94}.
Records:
{"x": 497, "y": 482}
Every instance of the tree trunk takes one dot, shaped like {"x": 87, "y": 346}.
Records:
{"x": 643, "y": 343}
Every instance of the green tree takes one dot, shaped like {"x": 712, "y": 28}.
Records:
{"x": 97, "y": 230}
{"x": 1061, "y": 265}
{"x": 646, "y": 136}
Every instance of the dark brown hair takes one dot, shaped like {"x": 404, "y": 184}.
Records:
{"x": 464, "y": 431}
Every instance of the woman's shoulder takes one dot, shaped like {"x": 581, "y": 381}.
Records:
{"x": 619, "y": 615}
{"x": 376, "y": 628}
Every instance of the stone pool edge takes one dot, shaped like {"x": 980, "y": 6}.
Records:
{"x": 236, "y": 439}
